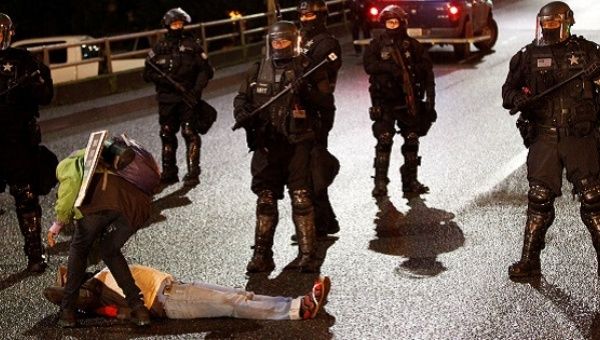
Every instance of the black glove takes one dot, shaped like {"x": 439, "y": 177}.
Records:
{"x": 296, "y": 85}
{"x": 592, "y": 70}
{"x": 430, "y": 103}
{"x": 521, "y": 101}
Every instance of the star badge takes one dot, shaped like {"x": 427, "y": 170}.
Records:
{"x": 181, "y": 48}
{"x": 574, "y": 60}
{"x": 7, "y": 67}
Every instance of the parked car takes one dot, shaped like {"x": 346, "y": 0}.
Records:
{"x": 444, "y": 22}
{"x": 80, "y": 61}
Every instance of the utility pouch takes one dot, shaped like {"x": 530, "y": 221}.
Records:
{"x": 375, "y": 113}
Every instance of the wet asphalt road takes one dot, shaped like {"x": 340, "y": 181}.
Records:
{"x": 432, "y": 269}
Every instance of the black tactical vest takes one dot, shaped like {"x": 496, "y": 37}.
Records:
{"x": 573, "y": 103}
{"x": 285, "y": 116}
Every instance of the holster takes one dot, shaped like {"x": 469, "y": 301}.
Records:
{"x": 375, "y": 113}
{"x": 526, "y": 130}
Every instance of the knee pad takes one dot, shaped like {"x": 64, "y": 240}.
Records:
{"x": 266, "y": 204}
{"x": 590, "y": 195}
{"x": 301, "y": 202}
{"x": 26, "y": 200}
{"x": 540, "y": 198}
{"x": 189, "y": 133}
{"x": 385, "y": 142}
{"x": 167, "y": 133}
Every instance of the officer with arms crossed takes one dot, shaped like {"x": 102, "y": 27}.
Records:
{"x": 562, "y": 126}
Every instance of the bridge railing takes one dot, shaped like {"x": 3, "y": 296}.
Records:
{"x": 231, "y": 40}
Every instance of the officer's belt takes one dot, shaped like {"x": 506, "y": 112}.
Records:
{"x": 557, "y": 131}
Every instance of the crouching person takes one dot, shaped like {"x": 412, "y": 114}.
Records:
{"x": 116, "y": 203}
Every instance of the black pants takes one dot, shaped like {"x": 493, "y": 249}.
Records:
{"x": 280, "y": 165}
{"x": 114, "y": 231}
{"x": 550, "y": 154}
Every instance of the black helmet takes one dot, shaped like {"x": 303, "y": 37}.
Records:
{"x": 394, "y": 12}
{"x": 312, "y": 6}
{"x": 283, "y": 30}
{"x": 554, "y": 23}
{"x": 175, "y": 14}
{"x": 318, "y": 8}
{"x": 116, "y": 153}
{"x": 7, "y": 29}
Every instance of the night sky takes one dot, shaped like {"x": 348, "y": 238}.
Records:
{"x": 109, "y": 17}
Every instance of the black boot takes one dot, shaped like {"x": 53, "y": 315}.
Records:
{"x": 30, "y": 225}
{"x": 67, "y": 318}
{"x": 140, "y": 315}
{"x": 411, "y": 187}
{"x": 533, "y": 243}
{"x": 381, "y": 164}
{"x": 326, "y": 222}
{"x": 170, "y": 170}
{"x": 266, "y": 221}
{"x": 592, "y": 222}
{"x": 193, "y": 143}
{"x": 304, "y": 221}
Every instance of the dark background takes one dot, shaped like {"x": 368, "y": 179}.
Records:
{"x": 109, "y": 17}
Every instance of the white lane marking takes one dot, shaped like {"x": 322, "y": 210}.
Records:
{"x": 501, "y": 174}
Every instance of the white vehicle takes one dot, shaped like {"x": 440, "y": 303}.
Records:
{"x": 66, "y": 62}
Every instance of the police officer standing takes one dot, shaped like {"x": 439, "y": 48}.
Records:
{"x": 359, "y": 22}
{"x": 25, "y": 83}
{"x": 562, "y": 126}
{"x": 182, "y": 58}
{"x": 400, "y": 76}
{"x": 282, "y": 137}
{"x": 317, "y": 44}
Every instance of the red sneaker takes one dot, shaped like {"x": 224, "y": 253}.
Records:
{"x": 312, "y": 302}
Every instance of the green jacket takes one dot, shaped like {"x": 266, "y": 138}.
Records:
{"x": 69, "y": 173}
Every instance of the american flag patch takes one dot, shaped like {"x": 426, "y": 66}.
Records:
{"x": 544, "y": 62}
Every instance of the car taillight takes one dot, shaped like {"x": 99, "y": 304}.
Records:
{"x": 374, "y": 12}
{"x": 453, "y": 12}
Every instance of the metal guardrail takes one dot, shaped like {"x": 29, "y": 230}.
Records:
{"x": 246, "y": 32}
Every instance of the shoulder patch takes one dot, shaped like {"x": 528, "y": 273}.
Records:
{"x": 204, "y": 56}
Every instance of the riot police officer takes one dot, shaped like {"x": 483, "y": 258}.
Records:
{"x": 400, "y": 76}
{"x": 282, "y": 136}
{"x": 317, "y": 44}
{"x": 359, "y": 21}
{"x": 24, "y": 84}
{"x": 562, "y": 126}
{"x": 182, "y": 58}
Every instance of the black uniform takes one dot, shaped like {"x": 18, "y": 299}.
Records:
{"x": 282, "y": 137}
{"x": 183, "y": 59}
{"x": 389, "y": 108}
{"x": 317, "y": 44}
{"x": 562, "y": 134}
{"x": 21, "y": 157}
{"x": 359, "y": 21}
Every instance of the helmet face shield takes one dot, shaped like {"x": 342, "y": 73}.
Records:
{"x": 283, "y": 41}
{"x": 553, "y": 23}
{"x": 6, "y": 31}
{"x": 394, "y": 19}
{"x": 552, "y": 29}
{"x": 176, "y": 14}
